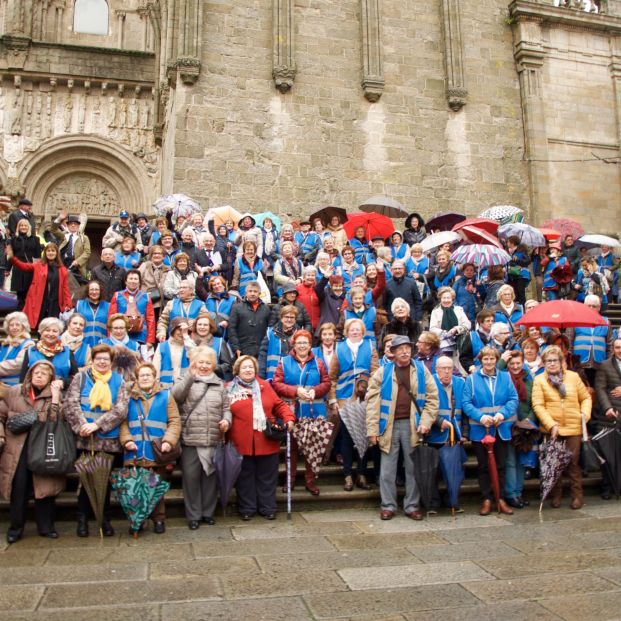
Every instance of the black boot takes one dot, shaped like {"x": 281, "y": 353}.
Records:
{"x": 107, "y": 529}
{"x": 82, "y": 527}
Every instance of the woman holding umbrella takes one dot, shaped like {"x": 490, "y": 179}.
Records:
{"x": 553, "y": 259}
{"x": 560, "y": 401}
{"x": 204, "y": 407}
{"x": 247, "y": 268}
{"x": 360, "y": 245}
{"x": 491, "y": 402}
{"x": 253, "y": 402}
{"x": 336, "y": 230}
{"x": 414, "y": 229}
{"x": 152, "y": 414}
{"x": 517, "y": 270}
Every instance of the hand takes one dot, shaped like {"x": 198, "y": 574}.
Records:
{"x": 506, "y": 356}
{"x": 62, "y": 216}
{"x": 87, "y": 429}
{"x": 73, "y": 264}
{"x": 9, "y": 251}
{"x": 616, "y": 392}
{"x": 554, "y": 432}
{"x": 487, "y": 421}
{"x": 166, "y": 447}
{"x": 224, "y": 426}
{"x": 373, "y": 440}
{"x": 422, "y": 429}
{"x": 161, "y": 337}
{"x": 498, "y": 418}
{"x": 224, "y": 324}
{"x": 135, "y": 263}
{"x": 131, "y": 446}
{"x": 611, "y": 413}
{"x": 289, "y": 425}
{"x": 445, "y": 425}
{"x": 184, "y": 328}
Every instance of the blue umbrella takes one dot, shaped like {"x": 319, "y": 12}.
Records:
{"x": 260, "y": 218}
{"x": 452, "y": 459}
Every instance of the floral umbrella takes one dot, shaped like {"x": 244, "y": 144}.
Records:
{"x": 502, "y": 213}
{"x": 176, "y": 205}
{"x": 481, "y": 255}
{"x": 554, "y": 457}
{"x": 565, "y": 226}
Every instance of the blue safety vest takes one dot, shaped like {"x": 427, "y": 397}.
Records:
{"x": 61, "y": 361}
{"x": 177, "y": 310}
{"x": 220, "y": 306}
{"x": 246, "y": 274}
{"x": 126, "y": 261}
{"x": 350, "y": 367}
{"x": 524, "y": 271}
{"x": 306, "y": 241}
{"x": 398, "y": 253}
{"x": 591, "y": 341}
{"x": 307, "y": 377}
{"x": 155, "y": 423}
{"x": 447, "y": 281}
{"x": 386, "y": 396}
{"x": 368, "y": 318}
{"x": 445, "y": 412}
{"x": 142, "y": 300}
{"x": 548, "y": 281}
{"x": 86, "y": 385}
{"x": 8, "y": 352}
{"x": 274, "y": 353}
{"x": 80, "y": 354}
{"x": 167, "y": 373}
{"x": 95, "y": 328}
{"x": 414, "y": 267}
{"x": 348, "y": 276}
{"x": 361, "y": 251}
{"x": 516, "y": 314}
{"x": 131, "y": 345}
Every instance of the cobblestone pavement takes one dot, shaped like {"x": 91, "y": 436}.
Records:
{"x": 331, "y": 564}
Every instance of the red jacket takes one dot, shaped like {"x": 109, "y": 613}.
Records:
{"x": 248, "y": 441}
{"x": 309, "y": 298}
{"x": 149, "y": 316}
{"x": 34, "y": 298}
{"x": 287, "y": 391}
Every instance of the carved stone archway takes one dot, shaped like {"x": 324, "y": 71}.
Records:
{"x": 85, "y": 174}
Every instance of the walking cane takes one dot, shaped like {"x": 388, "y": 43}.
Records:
{"x": 288, "y": 468}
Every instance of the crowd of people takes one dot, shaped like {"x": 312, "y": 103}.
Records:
{"x": 195, "y": 331}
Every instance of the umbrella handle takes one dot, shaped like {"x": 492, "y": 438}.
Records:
{"x": 451, "y": 433}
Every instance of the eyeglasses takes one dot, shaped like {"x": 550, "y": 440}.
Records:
{"x": 552, "y": 360}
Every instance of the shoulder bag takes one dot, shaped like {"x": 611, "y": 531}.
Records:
{"x": 160, "y": 458}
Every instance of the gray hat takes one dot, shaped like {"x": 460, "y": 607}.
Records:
{"x": 398, "y": 341}
{"x": 289, "y": 288}
{"x": 73, "y": 218}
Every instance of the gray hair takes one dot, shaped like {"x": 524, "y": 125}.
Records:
{"x": 51, "y": 322}
{"x": 309, "y": 269}
{"x": 22, "y": 318}
{"x": 203, "y": 350}
{"x": 399, "y": 301}
{"x": 504, "y": 289}
{"x": 497, "y": 328}
{"x": 592, "y": 299}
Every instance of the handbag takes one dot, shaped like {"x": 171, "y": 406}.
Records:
{"x": 136, "y": 320}
{"x": 51, "y": 447}
{"x": 22, "y": 422}
{"x": 155, "y": 294}
{"x": 275, "y": 431}
{"x": 160, "y": 458}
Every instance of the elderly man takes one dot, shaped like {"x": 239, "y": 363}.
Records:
{"x": 184, "y": 305}
{"x": 23, "y": 212}
{"x": 248, "y": 322}
{"x": 117, "y": 232}
{"x": 401, "y": 286}
{"x": 209, "y": 260}
{"x": 109, "y": 274}
{"x": 402, "y": 402}
{"x": 73, "y": 244}
{"x": 608, "y": 391}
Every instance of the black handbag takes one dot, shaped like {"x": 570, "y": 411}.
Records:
{"x": 159, "y": 457}
{"x": 275, "y": 431}
{"x": 51, "y": 447}
{"x": 22, "y": 422}
{"x": 155, "y": 294}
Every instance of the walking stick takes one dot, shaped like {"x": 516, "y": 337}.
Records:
{"x": 288, "y": 468}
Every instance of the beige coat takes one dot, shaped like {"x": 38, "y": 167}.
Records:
{"x": 429, "y": 414}
{"x": 153, "y": 278}
{"x": 14, "y": 402}
{"x": 81, "y": 246}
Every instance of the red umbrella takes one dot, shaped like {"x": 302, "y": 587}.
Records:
{"x": 488, "y": 442}
{"x": 478, "y": 231}
{"x": 491, "y": 226}
{"x": 374, "y": 224}
{"x": 550, "y": 234}
{"x": 562, "y": 314}
{"x": 565, "y": 226}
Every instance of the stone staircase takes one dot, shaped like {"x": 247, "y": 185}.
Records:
{"x": 613, "y": 312}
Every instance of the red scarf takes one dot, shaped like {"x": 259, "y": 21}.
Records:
{"x": 520, "y": 385}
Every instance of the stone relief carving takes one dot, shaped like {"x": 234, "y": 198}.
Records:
{"x": 16, "y": 113}
{"x": 283, "y": 45}
{"x": 80, "y": 193}
{"x": 67, "y": 113}
{"x": 456, "y": 91}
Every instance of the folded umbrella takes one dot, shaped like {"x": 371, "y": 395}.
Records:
{"x": 313, "y": 436}
{"x": 565, "y": 226}
{"x": 592, "y": 460}
{"x": 354, "y": 416}
{"x": 325, "y": 214}
{"x": 524, "y": 434}
{"x": 554, "y": 457}
{"x": 374, "y": 224}
{"x": 527, "y": 234}
{"x": 384, "y": 206}
{"x": 452, "y": 458}
{"x": 608, "y": 445}
{"x": 435, "y": 240}
{"x": 444, "y": 221}
{"x": 481, "y": 255}
{"x": 227, "y": 463}
{"x": 426, "y": 460}
{"x": 562, "y": 314}
{"x": 488, "y": 442}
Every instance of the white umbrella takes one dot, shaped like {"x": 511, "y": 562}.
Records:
{"x": 501, "y": 213}
{"x": 439, "y": 239}
{"x": 529, "y": 235}
{"x": 600, "y": 240}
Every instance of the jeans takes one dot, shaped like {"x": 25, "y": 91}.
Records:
{"x": 514, "y": 474}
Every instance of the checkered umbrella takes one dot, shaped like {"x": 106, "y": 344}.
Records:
{"x": 313, "y": 436}
{"x": 481, "y": 255}
{"x": 503, "y": 213}
{"x": 354, "y": 417}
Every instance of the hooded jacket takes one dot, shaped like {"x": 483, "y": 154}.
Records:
{"x": 254, "y": 233}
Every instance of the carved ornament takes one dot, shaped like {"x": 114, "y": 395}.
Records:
{"x": 189, "y": 69}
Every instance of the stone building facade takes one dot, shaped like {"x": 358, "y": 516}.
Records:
{"x": 290, "y": 105}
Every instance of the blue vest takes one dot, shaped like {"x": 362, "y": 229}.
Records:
{"x": 61, "y": 361}
{"x": 350, "y": 367}
{"x": 131, "y": 345}
{"x": 220, "y": 306}
{"x": 92, "y": 416}
{"x": 81, "y": 353}
{"x": 412, "y": 267}
{"x": 368, "y": 318}
{"x": 177, "y": 310}
{"x": 246, "y": 274}
{"x": 167, "y": 373}
{"x": 142, "y": 300}
{"x": 307, "y": 377}
{"x": 274, "y": 353}
{"x": 348, "y": 276}
{"x": 591, "y": 340}
{"x": 386, "y": 396}
{"x": 479, "y": 399}
{"x": 548, "y": 281}
{"x": 524, "y": 271}
{"x": 216, "y": 345}
{"x": 447, "y": 281}
{"x": 95, "y": 328}
{"x": 169, "y": 258}
{"x": 398, "y": 253}
{"x": 307, "y": 242}
{"x": 445, "y": 412}
{"x": 516, "y": 314}
{"x": 361, "y": 251}
{"x": 126, "y": 260}
{"x": 155, "y": 422}
{"x": 477, "y": 344}
{"x": 7, "y": 352}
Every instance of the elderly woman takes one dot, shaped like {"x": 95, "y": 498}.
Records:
{"x": 95, "y": 312}
{"x": 417, "y": 265}
{"x": 359, "y": 309}
{"x": 253, "y": 402}
{"x": 170, "y": 358}
{"x": 518, "y": 273}
{"x": 205, "y": 415}
{"x": 288, "y": 269}
{"x": 401, "y": 323}
{"x": 507, "y": 310}
{"x": 277, "y": 341}
{"x": 118, "y": 324}
{"x": 532, "y": 360}
{"x": 302, "y": 380}
{"x": 13, "y": 347}
{"x": 398, "y": 249}
{"x": 153, "y": 273}
{"x": 248, "y": 231}
{"x": 347, "y": 267}
{"x": 561, "y": 401}
{"x": 324, "y": 266}
{"x": 360, "y": 245}
{"x": 169, "y": 243}
{"x": 337, "y": 232}
{"x": 501, "y": 339}
{"x": 202, "y": 334}
{"x": 127, "y": 256}
{"x": 219, "y": 302}
{"x": 428, "y": 350}
{"x": 27, "y": 248}
{"x": 247, "y": 268}
{"x": 414, "y": 229}
{"x": 42, "y": 392}
{"x": 152, "y": 414}
{"x": 448, "y": 321}
{"x": 490, "y": 401}
{"x": 307, "y": 295}
{"x": 444, "y": 273}
{"x": 327, "y": 338}
{"x": 49, "y": 347}
{"x": 181, "y": 270}
{"x": 73, "y": 338}
{"x": 95, "y": 407}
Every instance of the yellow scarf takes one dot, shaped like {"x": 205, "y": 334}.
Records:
{"x": 100, "y": 394}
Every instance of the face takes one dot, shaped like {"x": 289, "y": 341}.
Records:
{"x": 76, "y": 326}
{"x": 444, "y": 371}
{"x": 50, "y": 334}
{"x": 197, "y": 219}
{"x": 443, "y": 260}
{"x": 167, "y": 241}
{"x": 348, "y": 256}
{"x": 487, "y": 324}
{"x": 94, "y": 292}
{"x": 355, "y": 332}
{"x": 187, "y": 236}
{"x": 132, "y": 281}
{"x": 22, "y": 228}
{"x": 222, "y": 231}
{"x": 287, "y": 251}
{"x": 209, "y": 242}
{"x": 202, "y": 327}
{"x": 288, "y": 321}
{"x": 506, "y": 298}
{"x": 247, "y": 222}
{"x": 414, "y": 223}
{"x": 468, "y": 271}
{"x": 127, "y": 245}
{"x": 530, "y": 352}
{"x": 378, "y": 243}
{"x": 185, "y": 291}
{"x": 328, "y": 337}
{"x": 15, "y": 327}
{"x": 161, "y": 226}
{"x": 249, "y": 251}
{"x": 318, "y": 226}
{"x": 41, "y": 376}
{"x": 102, "y": 363}
{"x": 287, "y": 232}
{"x": 252, "y": 294}
{"x": 396, "y": 239}
{"x": 403, "y": 355}
{"x": 361, "y": 388}
{"x": 357, "y": 300}
{"x": 371, "y": 271}
{"x": 182, "y": 264}
{"x": 124, "y": 221}
{"x": 334, "y": 221}
{"x": 323, "y": 261}
{"x": 446, "y": 299}
{"x": 553, "y": 364}
{"x": 515, "y": 365}
{"x": 359, "y": 233}
{"x": 118, "y": 329}
{"x": 50, "y": 253}
{"x": 267, "y": 223}
{"x": 359, "y": 281}
{"x": 73, "y": 227}
{"x": 488, "y": 362}
{"x": 157, "y": 257}
{"x": 203, "y": 365}
{"x": 398, "y": 270}
{"x": 417, "y": 253}
{"x": 503, "y": 336}
{"x": 142, "y": 223}
{"x": 218, "y": 286}
{"x": 596, "y": 306}
{"x": 328, "y": 245}
{"x": 400, "y": 311}
{"x": 309, "y": 278}
{"x": 337, "y": 288}
{"x": 247, "y": 371}
{"x": 569, "y": 240}
{"x": 302, "y": 347}
{"x": 534, "y": 333}
{"x": 616, "y": 348}
{"x": 229, "y": 224}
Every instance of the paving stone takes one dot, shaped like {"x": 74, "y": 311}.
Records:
{"x": 433, "y": 524}
{"x": 604, "y": 509}
{"x": 336, "y": 560}
{"x": 132, "y": 592}
{"x": 522, "y": 611}
{"x": 281, "y": 584}
{"x": 596, "y": 525}
{"x": 537, "y": 587}
{"x": 503, "y": 533}
{"x": 603, "y": 606}
{"x": 68, "y": 541}
{"x": 72, "y": 573}
{"x": 547, "y": 516}
{"x": 464, "y": 551}
{"x": 262, "y": 546}
{"x": 278, "y": 531}
{"x": 388, "y": 601}
{"x": 610, "y": 573}
{"x": 20, "y": 597}
{"x": 559, "y": 562}
{"x": 363, "y": 578}
{"x": 373, "y": 542}
{"x": 203, "y": 567}
{"x": 107, "y": 613}
{"x": 16, "y": 557}
{"x": 276, "y": 609}
{"x": 341, "y": 515}
{"x": 562, "y": 542}
{"x": 369, "y": 618}
{"x": 121, "y": 554}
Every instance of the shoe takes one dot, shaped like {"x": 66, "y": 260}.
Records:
{"x": 524, "y": 502}
{"x": 349, "y": 484}
{"x": 387, "y": 514}
{"x": 159, "y": 528}
{"x": 312, "y": 488}
{"x": 432, "y": 511}
{"x": 107, "y": 529}
{"x": 246, "y": 517}
{"x": 339, "y": 459}
{"x": 605, "y": 495}
{"x": 270, "y": 516}
{"x": 209, "y": 520}
{"x": 555, "y": 503}
{"x": 13, "y": 537}
{"x": 515, "y": 503}
{"x": 576, "y": 503}
{"x": 528, "y": 474}
{"x": 503, "y": 507}
{"x": 361, "y": 482}
{"x": 193, "y": 524}
{"x": 52, "y": 534}
{"x": 415, "y": 515}
{"x": 82, "y": 527}
{"x": 486, "y": 507}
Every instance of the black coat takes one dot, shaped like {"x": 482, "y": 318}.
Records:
{"x": 409, "y": 328}
{"x": 607, "y": 378}
{"x": 248, "y": 327}
{"x": 17, "y": 215}
{"x": 26, "y": 249}
{"x": 407, "y": 289}
{"x": 111, "y": 279}
{"x": 303, "y": 321}
{"x": 329, "y": 304}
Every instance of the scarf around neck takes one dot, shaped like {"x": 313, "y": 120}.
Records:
{"x": 50, "y": 352}
{"x": 101, "y": 396}
{"x": 72, "y": 342}
{"x": 239, "y": 390}
{"x": 556, "y": 381}
{"x": 449, "y": 318}
{"x": 520, "y": 385}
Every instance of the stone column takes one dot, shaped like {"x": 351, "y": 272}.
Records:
{"x": 189, "y": 45}
{"x": 615, "y": 72}
{"x": 372, "y": 69}
{"x": 283, "y": 55}
{"x": 456, "y": 91}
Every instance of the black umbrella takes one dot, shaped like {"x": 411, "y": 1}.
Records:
{"x": 591, "y": 458}
{"x": 452, "y": 458}
{"x": 385, "y": 206}
{"x": 227, "y": 463}
{"x": 426, "y": 461}
{"x": 444, "y": 221}
{"x": 325, "y": 214}
{"x": 608, "y": 444}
